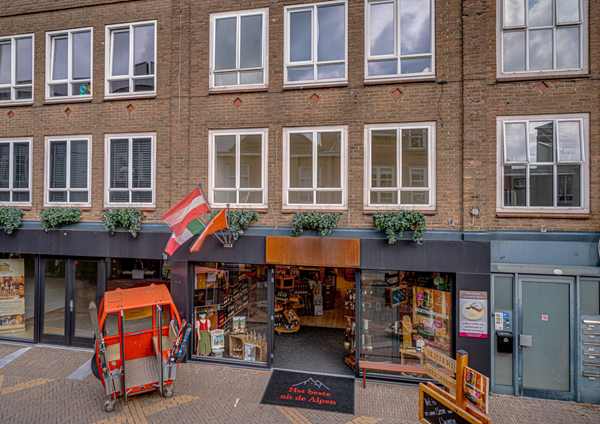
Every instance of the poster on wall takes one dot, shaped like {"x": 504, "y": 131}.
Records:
{"x": 12, "y": 295}
{"x": 431, "y": 315}
{"x": 473, "y": 314}
{"x": 476, "y": 389}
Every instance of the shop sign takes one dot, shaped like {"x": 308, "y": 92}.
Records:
{"x": 473, "y": 314}
{"x": 439, "y": 358}
{"x": 436, "y": 408}
{"x": 137, "y": 313}
{"x": 440, "y": 377}
{"x": 476, "y": 389}
{"x": 12, "y": 295}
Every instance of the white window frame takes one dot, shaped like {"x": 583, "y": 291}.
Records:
{"x": 396, "y": 55}
{"x": 107, "y": 189}
{"x": 50, "y": 36}
{"x": 431, "y": 167}
{"x": 583, "y": 43}
{"x": 13, "y": 70}
{"x": 68, "y": 189}
{"x": 10, "y": 189}
{"x": 286, "y": 205}
{"x": 264, "y": 132}
{"x": 313, "y": 62}
{"x": 108, "y": 78}
{"x": 583, "y": 118}
{"x": 265, "y": 49}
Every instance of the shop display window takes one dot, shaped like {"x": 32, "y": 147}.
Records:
{"x": 17, "y": 295}
{"x": 230, "y": 311}
{"x": 127, "y": 273}
{"x": 402, "y": 313}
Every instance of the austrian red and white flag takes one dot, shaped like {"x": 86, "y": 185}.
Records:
{"x": 182, "y": 219}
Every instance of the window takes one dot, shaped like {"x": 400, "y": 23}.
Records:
{"x": 400, "y": 166}
{"x": 239, "y": 49}
{"x": 238, "y": 167}
{"x": 130, "y": 173}
{"x": 543, "y": 163}
{"x": 399, "y": 39}
{"x": 316, "y": 43}
{"x": 69, "y": 64}
{"x": 315, "y": 171}
{"x": 131, "y": 59}
{"x": 16, "y": 68}
{"x": 68, "y": 170}
{"x": 541, "y": 36}
{"x": 15, "y": 172}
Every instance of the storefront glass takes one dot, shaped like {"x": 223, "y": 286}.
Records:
{"x": 126, "y": 273}
{"x": 402, "y": 312}
{"x": 230, "y": 311}
{"x": 17, "y": 288}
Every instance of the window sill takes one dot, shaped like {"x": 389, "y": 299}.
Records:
{"x": 260, "y": 209}
{"x": 537, "y": 77}
{"x": 23, "y": 207}
{"x": 214, "y": 91}
{"x": 66, "y": 206}
{"x": 552, "y": 215}
{"x": 400, "y": 80}
{"x": 139, "y": 208}
{"x": 426, "y": 213}
{"x": 16, "y": 104}
{"x": 290, "y": 211}
{"x": 315, "y": 85}
{"x": 60, "y": 100}
{"x": 129, "y": 96}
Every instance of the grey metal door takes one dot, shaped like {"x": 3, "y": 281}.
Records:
{"x": 547, "y": 318}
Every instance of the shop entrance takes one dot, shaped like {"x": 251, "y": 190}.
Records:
{"x": 67, "y": 287}
{"x": 314, "y": 320}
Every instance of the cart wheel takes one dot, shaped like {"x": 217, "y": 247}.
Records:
{"x": 168, "y": 392}
{"x": 109, "y": 405}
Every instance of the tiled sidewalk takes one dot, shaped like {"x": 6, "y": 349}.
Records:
{"x": 34, "y": 389}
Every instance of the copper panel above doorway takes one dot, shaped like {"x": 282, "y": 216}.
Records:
{"x": 313, "y": 251}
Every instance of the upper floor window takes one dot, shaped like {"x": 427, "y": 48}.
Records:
{"x": 239, "y": 49}
{"x": 68, "y": 170}
{"x": 399, "y": 38}
{"x": 315, "y": 170}
{"x": 238, "y": 167}
{"x": 543, "y": 163}
{"x": 15, "y": 171}
{"x": 130, "y": 169}
{"x": 316, "y": 43}
{"x": 69, "y": 64}
{"x": 16, "y": 68}
{"x": 131, "y": 59}
{"x": 400, "y": 166}
{"x": 543, "y": 36}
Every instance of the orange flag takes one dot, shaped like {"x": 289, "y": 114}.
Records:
{"x": 218, "y": 223}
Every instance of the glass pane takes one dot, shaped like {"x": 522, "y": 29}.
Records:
{"x": 79, "y": 164}
{"x": 331, "y": 44}
{"x": 568, "y": 179}
{"x": 55, "y": 285}
{"x": 78, "y": 196}
{"x": 415, "y": 27}
{"x": 330, "y": 71}
{"x": 250, "y": 196}
{"x": 5, "y": 63}
{"x": 225, "y": 197}
{"x": 251, "y": 161}
{"x": 23, "y": 93}
{"x": 81, "y": 88}
{"x": 4, "y": 93}
{"x": 251, "y": 77}
{"x": 4, "y": 165}
{"x": 57, "y": 196}
{"x": 540, "y": 50}
{"x": 329, "y": 159}
{"x": 541, "y": 145}
{"x": 251, "y": 42}
{"x": 20, "y": 196}
{"x": 503, "y": 293}
{"x": 146, "y": 84}
{"x": 60, "y": 59}
{"x": 118, "y": 197}
{"x": 85, "y": 283}
{"x": 301, "y": 160}
{"x": 589, "y": 295}
{"x": 141, "y": 197}
{"x": 21, "y": 165}
{"x": 514, "y": 51}
{"x": 59, "y": 90}
{"x": 300, "y": 36}
{"x": 143, "y": 50}
{"x": 329, "y": 197}
{"x": 414, "y": 158}
{"x": 119, "y": 154}
{"x": 383, "y": 159}
{"x": 514, "y": 139}
{"x": 58, "y": 164}
{"x": 120, "y": 54}
{"x": 24, "y": 61}
{"x": 300, "y": 197}
{"x": 514, "y": 13}
{"x": 5, "y": 196}
{"x": 142, "y": 163}
{"x": 225, "y": 44}
{"x": 569, "y": 138}
{"x": 384, "y": 197}
{"x": 119, "y": 86}
{"x": 567, "y": 48}
{"x": 414, "y": 197}
{"x": 301, "y": 74}
{"x": 540, "y": 186}
{"x": 17, "y": 289}
{"x": 381, "y": 35}
{"x": 229, "y": 78}
{"x": 82, "y": 52}
{"x": 540, "y": 13}
{"x": 415, "y": 66}
{"x": 225, "y": 168}
{"x": 387, "y": 67}
{"x": 568, "y": 11}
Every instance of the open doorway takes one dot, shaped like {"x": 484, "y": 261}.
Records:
{"x": 314, "y": 319}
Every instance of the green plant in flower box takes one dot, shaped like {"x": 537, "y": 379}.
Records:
{"x": 323, "y": 222}
{"x": 398, "y": 222}
{"x": 53, "y": 217}
{"x": 239, "y": 220}
{"x": 127, "y": 218}
{"x": 10, "y": 218}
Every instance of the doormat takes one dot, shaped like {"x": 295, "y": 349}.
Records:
{"x": 310, "y": 391}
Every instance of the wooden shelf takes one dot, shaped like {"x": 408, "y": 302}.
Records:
{"x": 296, "y": 306}
{"x": 286, "y": 331}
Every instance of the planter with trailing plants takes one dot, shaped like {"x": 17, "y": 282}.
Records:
{"x": 10, "y": 218}
{"x": 126, "y": 218}
{"x": 323, "y": 222}
{"x": 398, "y": 222}
{"x": 53, "y": 217}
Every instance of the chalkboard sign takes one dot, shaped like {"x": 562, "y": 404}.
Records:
{"x": 434, "y": 408}
{"x": 397, "y": 296}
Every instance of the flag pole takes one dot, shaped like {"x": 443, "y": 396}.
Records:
{"x": 212, "y": 212}
{"x": 229, "y": 238}
{"x": 206, "y": 225}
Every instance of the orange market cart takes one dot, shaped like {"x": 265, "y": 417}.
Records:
{"x": 140, "y": 341}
